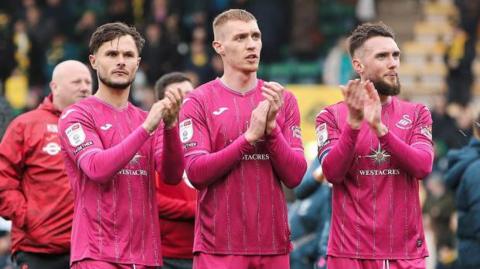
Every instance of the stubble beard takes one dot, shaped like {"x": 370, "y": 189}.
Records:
{"x": 117, "y": 86}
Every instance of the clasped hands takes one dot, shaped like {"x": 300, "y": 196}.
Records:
{"x": 166, "y": 109}
{"x": 363, "y": 103}
{"x": 263, "y": 117}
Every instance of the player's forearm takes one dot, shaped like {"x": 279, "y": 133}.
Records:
{"x": 416, "y": 160}
{"x": 337, "y": 162}
{"x": 204, "y": 169}
{"x": 173, "y": 163}
{"x": 13, "y": 206}
{"x": 290, "y": 164}
{"x": 101, "y": 165}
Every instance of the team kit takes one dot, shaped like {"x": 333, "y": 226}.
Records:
{"x": 229, "y": 147}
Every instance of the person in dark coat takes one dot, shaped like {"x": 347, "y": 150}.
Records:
{"x": 310, "y": 218}
{"x": 463, "y": 176}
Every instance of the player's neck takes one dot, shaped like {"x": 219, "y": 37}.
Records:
{"x": 238, "y": 81}
{"x": 116, "y": 97}
{"x": 384, "y": 99}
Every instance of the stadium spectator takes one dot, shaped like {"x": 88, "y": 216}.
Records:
{"x": 34, "y": 189}
{"x": 308, "y": 217}
{"x": 176, "y": 204}
{"x": 463, "y": 177}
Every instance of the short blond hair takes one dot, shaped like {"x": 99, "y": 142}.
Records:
{"x": 232, "y": 15}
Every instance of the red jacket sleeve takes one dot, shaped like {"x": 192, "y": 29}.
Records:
{"x": 12, "y": 155}
{"x": 174, "y": 208}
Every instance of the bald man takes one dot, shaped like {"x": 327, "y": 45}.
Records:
{"x": 34, "y": 189}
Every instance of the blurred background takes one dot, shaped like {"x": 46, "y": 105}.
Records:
{"x": 303, "y": 48}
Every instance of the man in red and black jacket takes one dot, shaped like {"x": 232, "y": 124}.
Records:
{"x": 176, "y": 203}
{"x": 35, "y": 192}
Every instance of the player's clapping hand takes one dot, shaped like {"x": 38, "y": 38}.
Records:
{"x": 173, "y": 101}
{"x": 354, "y": 96}
{"x": 154, "y": 116}
{"x": 258, "y": 121}
{"x": 273, "y": 92}
{"x": 372, "y": 109}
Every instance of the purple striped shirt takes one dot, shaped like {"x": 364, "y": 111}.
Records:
{"x": 241, "y": 208}
{"x": 111, "y": 162}
{"x": 376, "y": 210}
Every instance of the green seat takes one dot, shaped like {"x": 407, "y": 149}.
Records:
{"x": 281, "y": 72}
{"x": 308, "y": 72}
{"x": 264, "y": 71}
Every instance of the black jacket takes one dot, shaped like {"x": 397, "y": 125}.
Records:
{"x": 463, "y": 176}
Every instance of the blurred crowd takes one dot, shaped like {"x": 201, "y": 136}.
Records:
{"x": 38, "y": 34}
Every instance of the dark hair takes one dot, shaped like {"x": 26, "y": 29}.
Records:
{"x": 167, "y": 79}
{"x": 111, "y": 31}
{"x": 366, "y": 31}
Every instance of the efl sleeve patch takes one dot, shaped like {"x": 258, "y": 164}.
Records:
{"x": 322, "y": 134}
{"x": 186, "y": 130}
{"x": 426, "y": 131}
{"x": 76, "y": 135}
{"x": 297, "y": 132}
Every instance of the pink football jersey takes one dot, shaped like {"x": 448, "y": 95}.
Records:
{"x": 376, "y": 211}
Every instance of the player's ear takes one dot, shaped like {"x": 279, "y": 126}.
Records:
{"x": 93, "y": 61}
{"x": 357, "y": 66}
{"x": 217, "y": 46}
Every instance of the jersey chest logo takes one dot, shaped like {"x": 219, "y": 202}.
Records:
{"x": 219, "y": 111}
{"x": 379, "y": 155}
{"x": 106, "y": 126}
{"x": 405, "y": 123}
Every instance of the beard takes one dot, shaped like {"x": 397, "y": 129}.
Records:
{"x": 115, "y": 85}
{"x": 386, "y": 89}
